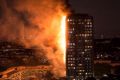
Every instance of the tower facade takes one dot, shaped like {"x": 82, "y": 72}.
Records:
{"x": 79, "y": 59}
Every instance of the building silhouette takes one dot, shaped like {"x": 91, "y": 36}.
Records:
{"x": 106, "y": 56}
{"x": 13, "y": 54}
{"x": 79, "y": 59}
{"x": 107, "y": 49}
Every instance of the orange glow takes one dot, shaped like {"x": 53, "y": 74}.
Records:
{"x": 62, "y": 38}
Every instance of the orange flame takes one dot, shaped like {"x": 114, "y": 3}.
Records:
{"x": 62, "y": 37}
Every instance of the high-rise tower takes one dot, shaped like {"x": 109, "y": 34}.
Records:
{"x": 79, "y": 59}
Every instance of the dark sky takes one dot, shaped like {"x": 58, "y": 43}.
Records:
{"x": 106, "y": 14}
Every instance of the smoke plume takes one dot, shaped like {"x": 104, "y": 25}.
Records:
{"x": 34, "y": 23}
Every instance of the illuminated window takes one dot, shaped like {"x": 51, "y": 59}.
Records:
{"x": 88, "y": 20}
{"x": 88, "y": 23}
{"x": 87, "y": 58}
{"x": 70, "y": 32}
{"x": 68, "y": 20}
{"x": 80, "y": 70}
{"x": 80, "y": 73}
{"x": 83, "y": 52}
{"x": 80, "y": 64}
{"x": 72, "y": 64}
{"x": 86, "y": 73}
{"x": 82, "y": 23}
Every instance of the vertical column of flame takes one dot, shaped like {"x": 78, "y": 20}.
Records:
{"x": 63, "y": 37}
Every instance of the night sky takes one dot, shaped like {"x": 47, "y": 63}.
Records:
{"x": 106, "y": 15}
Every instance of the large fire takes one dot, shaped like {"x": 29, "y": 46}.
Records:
{"x": 38, "y": 24}
{"x": 62, "y": 39}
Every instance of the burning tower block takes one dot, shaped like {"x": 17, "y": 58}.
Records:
{"x": 79, "y": 59}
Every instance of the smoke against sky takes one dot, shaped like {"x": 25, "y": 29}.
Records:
{"x": 34, "y": 23}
